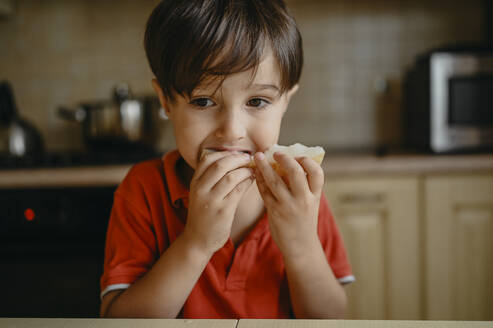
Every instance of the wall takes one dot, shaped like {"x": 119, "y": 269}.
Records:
{"x": 352, "y": 45}
{"x": 63, "y": 52}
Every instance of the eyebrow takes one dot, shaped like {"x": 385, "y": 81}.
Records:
{"x": 266, "y": 86}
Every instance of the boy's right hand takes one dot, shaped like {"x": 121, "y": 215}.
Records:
{"x": 217, "y": 186}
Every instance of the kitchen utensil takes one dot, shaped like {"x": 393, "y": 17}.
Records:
{"x": 18, "y": 137}
{"x": 122, "y": 123}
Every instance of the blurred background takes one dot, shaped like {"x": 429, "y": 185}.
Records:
{"x": 64, "y": 52}
{"x": 68, "y": 67}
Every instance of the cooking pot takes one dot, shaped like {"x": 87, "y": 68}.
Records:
{"x": 18, "y": 138}
{"x": 123, "y": 122}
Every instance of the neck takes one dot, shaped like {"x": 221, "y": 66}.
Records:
{"x": 251, "y": 203}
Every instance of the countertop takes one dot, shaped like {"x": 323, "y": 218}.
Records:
{"x": 333, "y": 165}
{"x": 405, "y": 164}
{"x": 250, "y": 323}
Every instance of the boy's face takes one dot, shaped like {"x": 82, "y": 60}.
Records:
{"x": 243, "y": 114}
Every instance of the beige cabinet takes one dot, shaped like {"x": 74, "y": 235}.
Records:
{"x": 459, "y": 247}
{"x": 421, "y": 247}
{"x": 378, "y": 219}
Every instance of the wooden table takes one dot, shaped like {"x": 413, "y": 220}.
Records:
{"x": 359, "y": 324}
{"x": 248, "y": 323}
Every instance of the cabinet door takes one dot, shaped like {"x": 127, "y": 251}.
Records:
{"x": 459, "y": 243}
{"x": 378, "y": 219}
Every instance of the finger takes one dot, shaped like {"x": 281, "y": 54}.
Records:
{"x": 264, "y": 191}
{"x": 207, "y": 158}
{"x": 219, "y": 168}
{"x": 272, "y": 180}
{"x": 229, "y": 181}
{"x": 315, "y": 173}
{"x": 295, "y": 174}
{"x": 238, "y": 191}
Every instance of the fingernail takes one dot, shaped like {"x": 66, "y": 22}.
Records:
{"x": 260, "y": 156}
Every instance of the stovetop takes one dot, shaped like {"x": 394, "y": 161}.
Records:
{"x": 75, "y": 158}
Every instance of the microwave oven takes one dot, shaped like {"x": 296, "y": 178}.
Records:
{"x": 448, "y": 100}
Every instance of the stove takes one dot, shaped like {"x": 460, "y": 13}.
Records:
{"x": 52, "y": 238}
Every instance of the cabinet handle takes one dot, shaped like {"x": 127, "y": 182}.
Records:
{"x": 362, "y": 198}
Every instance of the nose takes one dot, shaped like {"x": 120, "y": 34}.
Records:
{"x": 231, "y": 126}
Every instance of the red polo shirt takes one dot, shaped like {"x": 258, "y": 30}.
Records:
{"x": 149, "y": 212}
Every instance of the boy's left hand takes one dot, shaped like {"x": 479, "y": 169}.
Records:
{"x": 293, "y": 205}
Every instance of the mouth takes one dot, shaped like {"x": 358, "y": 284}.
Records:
{"x": 217, "y": 149}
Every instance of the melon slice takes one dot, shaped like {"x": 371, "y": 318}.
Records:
{"x": 296, "y": 150}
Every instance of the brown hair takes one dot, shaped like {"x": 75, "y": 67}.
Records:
{"x": 188, "y": 41}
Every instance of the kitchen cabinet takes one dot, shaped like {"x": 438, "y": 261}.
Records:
{"x": 459, "y": 247}
{"x": 420, "y": 245}
{"x": 378, "y": 219}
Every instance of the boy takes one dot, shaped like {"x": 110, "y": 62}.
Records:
{"x": 199, "y": 234}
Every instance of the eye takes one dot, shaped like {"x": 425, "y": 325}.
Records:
{"x": 257, "y": 102}
{"x": 202, "y": 102}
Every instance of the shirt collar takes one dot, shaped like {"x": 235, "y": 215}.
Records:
{"x": 179, "y": 193}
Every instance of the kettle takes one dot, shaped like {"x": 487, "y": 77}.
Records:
{"x": 19, "y": 138}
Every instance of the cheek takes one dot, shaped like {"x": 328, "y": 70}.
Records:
{"x": 266, "y": 132}
{"x": 189, "y": 138}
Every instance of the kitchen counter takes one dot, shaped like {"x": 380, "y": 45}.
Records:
{"x": 333, "y": 165}
{"x": 250, "y": 323}
{"x": 84, "y": 176}
{"x": 405, "y": 164}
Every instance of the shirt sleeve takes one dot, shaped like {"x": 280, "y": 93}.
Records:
{"x": 131, "y": 247}
{"x": 333, "y": 244}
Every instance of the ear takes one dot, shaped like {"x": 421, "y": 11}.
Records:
{"x": 292, "y": 91}
{"x": 288, "y": 96}
{"x": 160, "y": 94}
